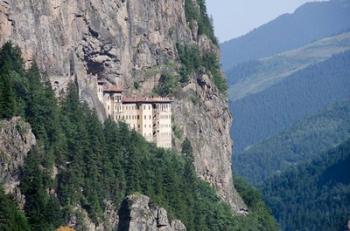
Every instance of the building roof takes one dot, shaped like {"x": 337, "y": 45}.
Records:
{"x": 146, "y": 100}
{"x": 112, "y": 88}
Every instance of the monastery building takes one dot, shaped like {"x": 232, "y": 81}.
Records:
{"x": 150, "y": 116}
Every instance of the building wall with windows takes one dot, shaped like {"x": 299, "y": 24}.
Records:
{"x": 149, "y": 116}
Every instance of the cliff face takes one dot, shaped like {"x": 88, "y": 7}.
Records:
{"x": 138, "y": 213}
{"x": 16, "y": 140}
{"x": 127, "y": 42}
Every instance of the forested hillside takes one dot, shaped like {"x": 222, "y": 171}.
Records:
{"x": 310, "y": 22}
{"x": 78, "y": 161}
{"x": 302, "y": 94}
{"x": 303, "y": 142}
{"x": 313, "y": 196}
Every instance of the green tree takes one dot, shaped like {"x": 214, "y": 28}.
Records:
{"x": 10, "y": 64}
{"x": 11, "y": 218}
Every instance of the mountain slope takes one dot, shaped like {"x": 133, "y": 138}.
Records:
{"x": 134, "y": 44}
{"x": 309, "y": 22}
{"x": 313, "y": 196}
{"x": 255, "y": 76}
{"x": 303, "y": 142}
{"x": 79, "y": 170}
{"x": 304, "y": 93}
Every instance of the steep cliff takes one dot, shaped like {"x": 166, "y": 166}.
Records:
{"x": 137, "y": 213}
{"x": 131, "y": 43}
{"x": 16, "y": 140}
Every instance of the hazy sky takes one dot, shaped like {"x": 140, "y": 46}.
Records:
{"x": 233, "y": 18}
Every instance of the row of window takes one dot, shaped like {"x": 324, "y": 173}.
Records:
{"x": 133, "y": 126}
{"x": 163, "y": 107}
{"x": 132, "y": 107}
{"x": 131, "y": 117}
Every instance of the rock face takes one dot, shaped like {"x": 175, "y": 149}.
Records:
{"x": 138, "y": 214}
{"x": 127, "y": 42}
{"x": 16, "y": 140}
{"x": 80, "y": 220}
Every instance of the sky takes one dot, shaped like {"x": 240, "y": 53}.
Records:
{"x": 233, "y": 18}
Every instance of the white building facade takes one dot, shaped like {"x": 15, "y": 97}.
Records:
{"x": 149, "y": 116}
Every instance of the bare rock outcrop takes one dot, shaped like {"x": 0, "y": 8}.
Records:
{"x": 127, "y": 42}
{"x": 139, "y": 214}
{"x": 80, "y": 220}
{"x": 16, "y": 140}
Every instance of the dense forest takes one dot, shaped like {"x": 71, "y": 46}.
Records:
{"x": 313, "y": 196}
{"x": 308, "y": 23}
{"x": 303, "y": 142}
{"x": 304, "y": 93}
{"x": 99, "y": 162}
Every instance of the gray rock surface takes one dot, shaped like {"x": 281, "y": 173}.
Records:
{"x": 127, "y": 41}
{"x": 16, "y": 140}
{"x": 139, "y": 214}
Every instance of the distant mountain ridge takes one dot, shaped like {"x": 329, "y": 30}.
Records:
{"x": 302, "y": 143}
{"x": 303, "y": 94}
{"x": 255, "y": 76}
{"x": 309, "y": 22}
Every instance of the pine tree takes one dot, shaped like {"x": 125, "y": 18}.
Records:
{"x": 11, "y": 218}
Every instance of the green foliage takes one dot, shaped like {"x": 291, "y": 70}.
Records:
{"x": 101, "y": 162}
{"x": 11, "y": 218}
{"x": 211, "y": 63}
{"x": 10, "y": 59}
{"x": 177, "y": 131}
{"x": 7, "y": 101}
{"x": 136, "y": 85}
{"x": 268, "y": 107}
{"x": 259, "y": 217}
{"x": 167, "y": 84}
{"x": 303, "y": 142}
{"x": 198, "y": 12}
{"x": 42, "y": 209}
{"x": 192, "y": 61}
{"x": 314, "y": 195}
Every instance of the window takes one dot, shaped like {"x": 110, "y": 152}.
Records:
{"x": 145, "y": 117}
